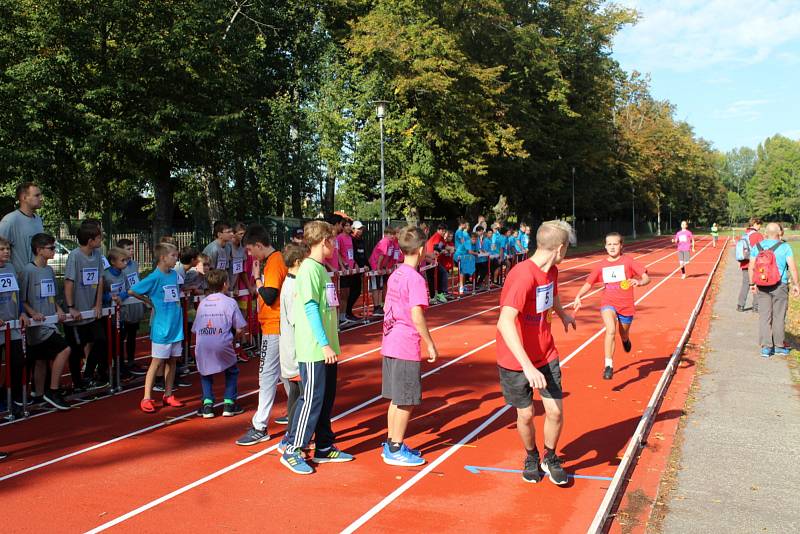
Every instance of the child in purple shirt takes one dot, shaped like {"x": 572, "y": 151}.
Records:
{"x": 404, "y": 327}
{"x": 685, "y": 241}
{"x": 217, "y": 316}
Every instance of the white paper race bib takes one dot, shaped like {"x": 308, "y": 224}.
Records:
{"x": 544, "y": 298}
{"x": 171, "y": 293}
{"x": 330, "y": 293}
{"x": 47, "y": 288}
{"x": 613, "y": 275}
{"x": 350, "y": 254}
{"x": 106, "y": 265}
{"x": 397, "y": 255}
{"x": 89, "y": 276}
{"x": 237, "y": 266}
{"x": 683, "y": 238}
{"x": 133, "y": 279}
{"x": 222, "y": 263}
{"x": 390, "y": 251}
{"x": 8, "y": 282}
{"x": 116, "y": 287}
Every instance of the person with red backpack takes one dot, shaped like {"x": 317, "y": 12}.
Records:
{"x": 771, "y": 266}
{"x": 744, "y": 246}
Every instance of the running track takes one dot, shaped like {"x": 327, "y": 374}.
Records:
{"x": 106, "y": 465}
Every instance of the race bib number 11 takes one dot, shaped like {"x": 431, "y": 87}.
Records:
{"x": 48, "y": 288}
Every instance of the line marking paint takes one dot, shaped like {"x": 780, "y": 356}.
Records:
{"x": 475, "y": 470}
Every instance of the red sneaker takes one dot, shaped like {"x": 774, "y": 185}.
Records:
{"x": 147, "y": 406}
{"x": 172, "y": 401}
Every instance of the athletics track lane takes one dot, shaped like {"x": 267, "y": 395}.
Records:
{"x": 168, "y": 444}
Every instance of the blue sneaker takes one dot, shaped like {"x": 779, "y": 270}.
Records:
{"x": 296, "y": 464}
{"x": 403, "y": 457}
{"x": 766, "y": 352}
{"x": 331, "y": 455}
{"x": 415, "y": 452}
{"x": 282, "y": 446}
{"x": 783, "y": 351}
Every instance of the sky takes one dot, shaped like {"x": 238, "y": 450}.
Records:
{"x": 732, "y": 67}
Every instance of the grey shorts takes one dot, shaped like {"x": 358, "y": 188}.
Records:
{"x": 684, "y": 256}
{"x": 402, "y": 381}
{"x": 517, "y": 390}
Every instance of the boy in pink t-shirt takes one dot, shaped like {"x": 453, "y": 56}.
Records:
{"x": 404, "y": 327}
{"x": 347, "y": 262}
{"x": 379, "y": 259}
{"x": 685, "y": 241}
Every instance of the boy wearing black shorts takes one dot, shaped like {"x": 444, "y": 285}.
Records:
{"x": 527, "y": 358}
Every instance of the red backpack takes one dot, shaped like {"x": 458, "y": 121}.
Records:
{"x": 766, "y": 266}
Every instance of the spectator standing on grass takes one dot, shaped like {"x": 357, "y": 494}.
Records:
{"x": 771, "y": 268}
{"x": 19, "y": 226}
{"x": 752, "y": 236}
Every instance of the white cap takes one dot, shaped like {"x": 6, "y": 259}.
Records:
{"x": 357, "y": 225}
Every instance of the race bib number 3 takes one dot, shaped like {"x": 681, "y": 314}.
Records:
{"x": 613, "y": 275}
{"x": 237, "y": 266}
{"x": 89, "y": 276}
{"x": 171, "y": 293}
{"x": 47, "y": 288}
{"x": 330, "y": 293}
{"x": 544, "y": 298}
{"x": 8, "y": 282}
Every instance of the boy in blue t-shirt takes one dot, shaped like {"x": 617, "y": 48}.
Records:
{"x": 481, "y": 246}
{"x": 465, "y": 256}
{"x": 159, "y": 290}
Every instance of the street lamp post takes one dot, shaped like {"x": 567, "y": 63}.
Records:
{"x": 574, "y": 220}
{"x": 633, "y": 208}
{"x": 380, "y": 111}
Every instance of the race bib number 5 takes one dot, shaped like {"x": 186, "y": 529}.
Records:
{"x": 330, "y": 293}
{"x": 544, "y": 298}
{"x": 89, "y": 276}
{"x": 171, "y": 293}
{"x": 8, "y": 282}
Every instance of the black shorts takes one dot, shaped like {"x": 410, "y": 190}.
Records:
{"x": 47, "y": 349}
{"x": 349, "y": 281}
{"x": 402, "y": 381}
{"x": 517, "y": 390}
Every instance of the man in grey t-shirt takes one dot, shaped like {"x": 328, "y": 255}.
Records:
{"x": 219, "y": 250}
{"x": 22, "y": 224}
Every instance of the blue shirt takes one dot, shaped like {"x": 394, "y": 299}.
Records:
{"x": 166, "y": 324}
{"x": 524, "y": 239}
{"x": 511, "y": 245}
{"x": 460, "y": 237}
{"x": 782, "y": 253}
{"x": 481, "y": 246}
{"x": 500, "y": 243}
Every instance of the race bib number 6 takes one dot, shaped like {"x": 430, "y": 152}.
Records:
{"x": 171, "y": 293}
{"x": 544, "y": 298}
{"x": 89, "y": 276}
{"x": 8, "y": 282}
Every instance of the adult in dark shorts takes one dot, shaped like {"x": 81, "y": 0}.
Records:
{"x": 527, "y": 358}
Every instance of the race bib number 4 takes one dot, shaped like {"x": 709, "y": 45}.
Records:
{"x": 171, "y": 293}
{"x": 8, "y": 282}
{"x": 330, "y": 293}
{"x": 47, "y": 288}
{"x": 237, "y": 266}
{"x": 613, "y": 275}
{"x": 89, "y": 276}
{"x": 544, "y": 298}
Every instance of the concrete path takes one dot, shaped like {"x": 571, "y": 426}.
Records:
{"x": 740, "y": 467}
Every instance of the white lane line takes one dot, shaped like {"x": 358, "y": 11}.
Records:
{"x": 372, "y": 512}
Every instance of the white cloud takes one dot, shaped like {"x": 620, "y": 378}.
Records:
{"x": 689, "y": 35}
{"x": 792, "y": 134}
{"x": 747, "y": 110}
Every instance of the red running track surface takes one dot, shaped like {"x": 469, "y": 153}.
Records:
{"x": 151, "y": 473}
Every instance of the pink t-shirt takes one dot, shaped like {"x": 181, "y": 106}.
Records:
{"x": 216, "y": 316}
{"x": 345, "y": 243}
{"x": 405, "y": 289}
{"x": 684, "y": 240}
{"x": 333, "y": 261}
{"x": 381, "y": 249}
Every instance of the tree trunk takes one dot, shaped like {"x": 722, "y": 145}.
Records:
{"x": 297, "y": 198}
{"x": 163, "y": 190}
{"x": 658, "y": 207}
{"x": 213, "y": 191}
{"x": 330, "y": 187}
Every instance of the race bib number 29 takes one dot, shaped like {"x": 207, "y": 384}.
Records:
{"x": 8, "y": 282}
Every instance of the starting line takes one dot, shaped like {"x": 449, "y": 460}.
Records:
{"x": 475, "y": 470}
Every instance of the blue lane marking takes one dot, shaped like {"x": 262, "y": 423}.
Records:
{"x": 474, "y": 469}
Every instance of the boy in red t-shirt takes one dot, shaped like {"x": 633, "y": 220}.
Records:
{"x": 527, "y": 358}
{"x": 619, "y": 275}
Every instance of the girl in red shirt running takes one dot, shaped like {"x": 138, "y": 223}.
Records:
{"x": 618, "y": 273}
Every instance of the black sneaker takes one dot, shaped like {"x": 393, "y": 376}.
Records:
{"x": 253, "y": 437}
{"x": 3, "y": 455}
{"x": 135, "y": 370}
{"x": 99, "y": 383}
{"x": 377, "y": 311}
{"x": 182, "y": 383}
{"x": 55, "y": 399}
{"x": 206, "y": 411}
{"x": 530, "y": 469}
{"x": 608, "y": 373}
{"x": 739, "y": 308}
{"x": 552, "y": 468}
{"x": 81, "y": 387}
{"x": 229, "y": 409}
{"x": 626, "y": 345}
{"x": 183, "y": 370}
{"x": 159, "y": 384}
{"x": 352, "y": 318}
